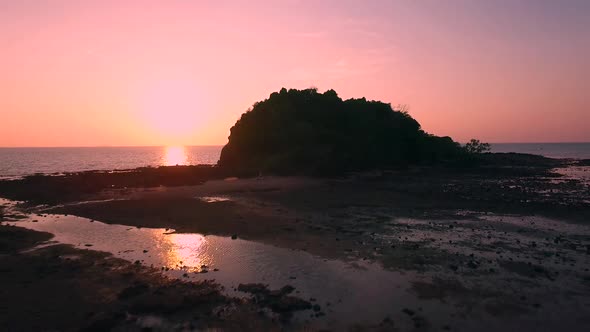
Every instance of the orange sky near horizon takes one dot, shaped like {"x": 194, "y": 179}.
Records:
{"x": 122, "y": 73}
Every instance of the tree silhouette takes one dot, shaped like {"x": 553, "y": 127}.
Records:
{"x": 475, "y": 146}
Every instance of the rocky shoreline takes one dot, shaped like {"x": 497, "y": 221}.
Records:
{"x": 503, "y": 243}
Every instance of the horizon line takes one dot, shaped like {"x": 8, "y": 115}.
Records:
{"x": 217, "y": 145}
{"x": 109, "y": 146}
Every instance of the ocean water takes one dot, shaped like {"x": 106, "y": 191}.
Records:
{"x": 551, "y": 150}
{"x": 23, "y": 161}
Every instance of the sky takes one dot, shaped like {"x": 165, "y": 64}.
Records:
{"x": 180, "y": 72}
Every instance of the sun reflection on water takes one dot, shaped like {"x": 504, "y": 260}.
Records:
{"x": 175, "y": 155}
{"x": 186, "y": 251}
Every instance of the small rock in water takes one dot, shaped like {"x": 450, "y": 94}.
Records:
{"x": 88, "y": 245}
{"x": 145, "y": 251}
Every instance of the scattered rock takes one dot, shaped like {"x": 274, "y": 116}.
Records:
{"x": 288, "y": 289}
{"x": 278, "y": 300}
{"x": 133, "y": 291}
{"x": 409, "y": 312}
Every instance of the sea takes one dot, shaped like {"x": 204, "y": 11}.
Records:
{"x": 17, "y": 162}
{"x": 551, "y": 150}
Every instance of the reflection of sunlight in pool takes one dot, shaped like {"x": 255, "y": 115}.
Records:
{"x": 183, "y": 250}
{"x": 175, "y": 155}
{"x": 231, "y": 262}
{"x": 214, "y": 199}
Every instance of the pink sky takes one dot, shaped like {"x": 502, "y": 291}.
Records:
{"x": 89, "y": 73}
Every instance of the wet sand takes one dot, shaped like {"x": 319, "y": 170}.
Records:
{"x": 498, "y": 248}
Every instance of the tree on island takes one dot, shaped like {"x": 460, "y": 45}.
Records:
{"x": 304, "y": 131}
{"x": 475, "y": 146}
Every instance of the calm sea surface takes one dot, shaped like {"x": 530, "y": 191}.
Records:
{"x": 552, "y": 150}
{"x": 23, "y": 161}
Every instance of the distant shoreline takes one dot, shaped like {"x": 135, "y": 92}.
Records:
{"x": 559, "y": 160}
{"x": 55, "y": 188}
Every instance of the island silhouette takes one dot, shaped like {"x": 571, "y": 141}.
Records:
{"x": 308, "y": 132}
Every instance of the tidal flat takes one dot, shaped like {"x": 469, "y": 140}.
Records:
{"x": 506, "y": 246}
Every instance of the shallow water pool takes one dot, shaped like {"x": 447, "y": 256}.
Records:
{"x": 340, "y": 288}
